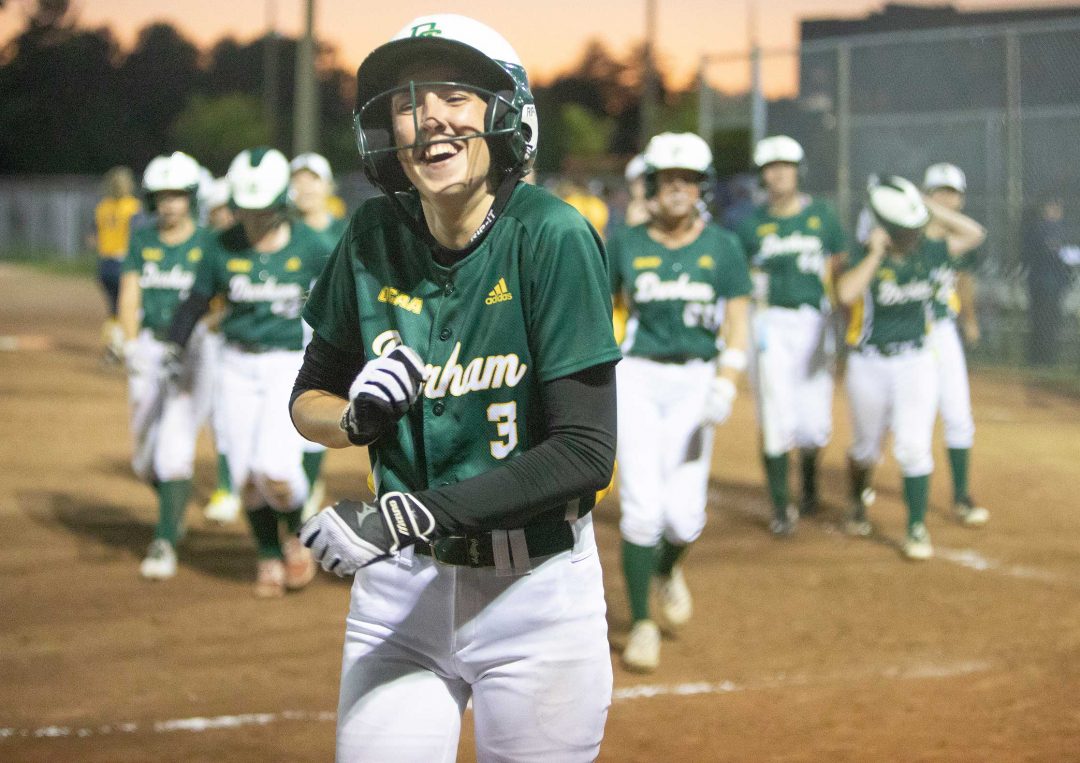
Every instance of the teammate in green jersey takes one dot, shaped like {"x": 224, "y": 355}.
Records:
{"x": 795, "y": 243}
{"x": 158, "y": 274}
{"x": 891, "y": 375}
{"x": 264, "y": 267}
{"x": 463, "y": 334}
{"x": 686, "y": 284}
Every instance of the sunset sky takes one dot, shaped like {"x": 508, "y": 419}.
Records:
{"x": 548, "y": 35}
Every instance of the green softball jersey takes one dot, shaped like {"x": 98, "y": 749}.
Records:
{"x": 529, "y": 304}
{"x": 333, "y": 232}
{"x": 946, "y": 302}
{"x": 676, "y": 297}
{"x": 166, "y": 273}
{"x": 891, "y": 316}
{"x": 793, "y": 252}
{"x": 264, "y": 293}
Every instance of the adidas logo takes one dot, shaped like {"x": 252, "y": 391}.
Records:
{"x": 499, "y": 294}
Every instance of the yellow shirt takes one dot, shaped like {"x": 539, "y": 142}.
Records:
{"x": 592, "y": 208}
{"x": 113, "y": 219}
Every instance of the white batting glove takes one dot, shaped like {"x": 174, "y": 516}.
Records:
{"x": 353, "y": 534}
{"x": 134, "y": 363}
{"x": 382, "y": 393}
{"x": 720, "y": 400}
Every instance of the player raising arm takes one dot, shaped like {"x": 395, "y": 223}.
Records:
{"x": 682, "y": 280}
{"x": 463, "y": 334}
{"x": 891, "y": 377}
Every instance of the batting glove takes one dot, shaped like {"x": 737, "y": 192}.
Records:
{"x": 721, "y": 398}
{"x": 134, "y": 363}
{"x": 353, "y": 534}
{"x": 172, "y": 362}
{"x": 385, "y": 389}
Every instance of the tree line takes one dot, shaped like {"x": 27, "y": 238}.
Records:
{"x": 73, "y": 101}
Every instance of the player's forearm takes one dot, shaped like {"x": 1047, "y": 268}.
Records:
{"x": 129, "y": 304}
{"x": 965, "y": 289}
{"x": 962, "y": 234}
{"x": 733, "y": 359}
{"x": 855, "y": 281}
{"x": 186, "y": 316}
{"x": 317, "y": 416}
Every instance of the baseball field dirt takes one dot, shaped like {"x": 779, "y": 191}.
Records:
{"x": 819, "y": 647}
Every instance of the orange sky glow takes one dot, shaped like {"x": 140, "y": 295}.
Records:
{"x": 548, "y": 36}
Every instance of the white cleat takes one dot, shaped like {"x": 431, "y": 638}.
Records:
{"x": 917, "y": 544}
{"x": 642, "y": 652}
{"x": 223, "y": 509}
{"x": 869, "y": 495}
{"x": 160, "y": 561}
{"x": 970, "y": 515}
{"x": 676, "y": 604}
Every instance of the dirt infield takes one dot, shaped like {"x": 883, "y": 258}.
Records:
{"x": 820, "y": 647}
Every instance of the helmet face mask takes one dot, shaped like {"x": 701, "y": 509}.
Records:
{"x": 487, "y": 65}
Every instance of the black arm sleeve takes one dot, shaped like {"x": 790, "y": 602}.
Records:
{"x": 326, "y": 368}
{"x": 186, "y": 316}
{"x": 576, "y": 459}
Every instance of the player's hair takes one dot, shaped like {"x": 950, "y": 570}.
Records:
{"x": 118, "y": 182}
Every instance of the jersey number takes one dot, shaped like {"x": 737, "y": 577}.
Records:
{"x": 504, "y": 415}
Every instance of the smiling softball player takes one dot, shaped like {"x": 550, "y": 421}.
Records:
{"x": 892, "y": 380}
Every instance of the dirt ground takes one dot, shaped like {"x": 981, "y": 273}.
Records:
{"x": 819, "y": 647}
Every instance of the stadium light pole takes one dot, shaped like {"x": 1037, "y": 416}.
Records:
{"x": 758, "y": 113}
{"x": 270, "y": 71}
{"x": 647, "y": 114}
{"x": 306, "y": 101}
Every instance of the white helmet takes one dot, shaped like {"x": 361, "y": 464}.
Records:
{"x": 778, "y": 148}
{"x": 259, "y": 178}
{"x": 489, "y": 64}
{"x": 214, "y": 194}
{"x": 313, "y": 163}
{"x": 944, "y": 175}
{"x": 896, "y": 203}
{"x": 678, "y": 151}
{"x": 175, "y": 172}
{"x": 635, "y": 168}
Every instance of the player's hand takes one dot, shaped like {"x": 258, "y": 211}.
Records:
{"x": 134, "y": 362}
{"x": 172, "y": 362}
{"x": 878, "y": 240}
{"x": 353, "y": 534}
{"x": 972, "y": 334}
{"x": 384, "y": 390}
{"x": 720, "y": 400}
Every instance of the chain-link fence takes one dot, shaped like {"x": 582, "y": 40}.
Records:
{"x": 1002, "y": 102}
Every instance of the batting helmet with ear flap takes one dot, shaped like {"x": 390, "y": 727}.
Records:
{"x": 896, "y": 204}
{"x": 778, "y": 148}
{"x": 259, "y": 179}
{"x": 175, "y": 172}
{"x": 676, "y": 151}
{"x": 488, "y": 66}
{"x": 944, "y": 175}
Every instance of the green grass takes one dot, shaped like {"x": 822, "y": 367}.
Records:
{"x": 53, "y": 262}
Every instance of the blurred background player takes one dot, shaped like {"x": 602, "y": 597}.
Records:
{"x": 263, "y": 266}
{"x": 311, "y": 191}
{"x": 795, "y": 242}
{"x": 954, "y": 301}
{"x": 683, "y": 281}
{"x": 224, "y": 504}
{"x": 637, "y": 210}
{"x": 112, "y": 224}
{"x": 891, "y": 374}
{"x": 158, "y": 274}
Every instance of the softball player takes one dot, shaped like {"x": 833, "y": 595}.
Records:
{"x": 264, "y": 267}
{"x": 463, "y": 333}
{"x": 891, "y": 375}
{"x": 682, "y": 280}
{"x": 794, "y": 241}
{"x": 945, "y": 184}
{"x": 112, "y": 224}
{"x": 310, "y": 189}
{"x": 157, "y": 275}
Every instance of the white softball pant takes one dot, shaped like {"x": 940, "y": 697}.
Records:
{"x": 954, "y": 395}
{"x": 794, "y": 382}
{"x": 664, "y": 450}
{"x": 531, "y": 651}
{"x": 896, "y": 393}
{"x": 165, "y": 415}
{"x": 263, "y": 446}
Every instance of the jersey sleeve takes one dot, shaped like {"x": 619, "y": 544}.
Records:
{"x": 835, "y": 240}
{"x": 207, "y": 274}
{"x": 133, "y": 260}
{"x": 570, "y": 278}
{"x": 734, "y": 268}
{"x": 331, "y": 309}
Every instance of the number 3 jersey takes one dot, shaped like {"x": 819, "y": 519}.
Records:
{"x": 676, "y": 297}
{"x": 527, "y": 305}
{"x": 264, "y": 292}
{"x": 793, "y": 252}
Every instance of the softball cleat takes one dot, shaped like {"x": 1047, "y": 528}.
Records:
{"x": 676, "y": 604}
{"x": 270, "y": 579}
{"x": 969, "y": 515}
{"x": 642, "y": 652}
{"x": 160, "y": 561}
{"x": 917, "y": 544}
{"x": 223, "y": 509}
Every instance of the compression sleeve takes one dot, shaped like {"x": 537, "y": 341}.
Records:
{"x": 326, "y": 368}
{"x": 186, "y": 316}
{"x": 577, "y": 458}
